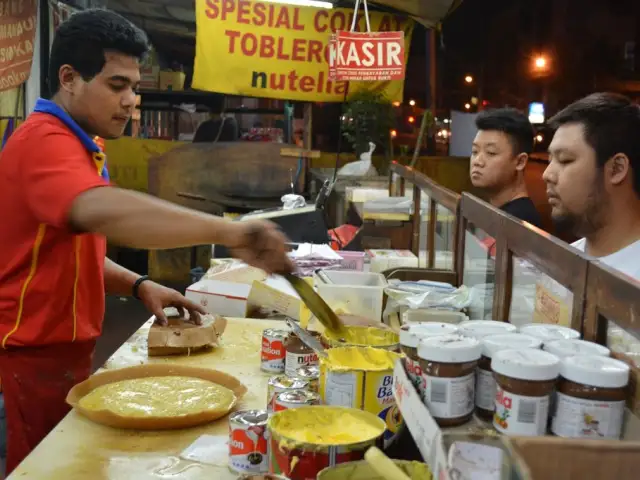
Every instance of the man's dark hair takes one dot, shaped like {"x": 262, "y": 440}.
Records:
{"x": 513, "y": 123}
{"x": 84, "y": 38}
{"x": 611, "y": 125}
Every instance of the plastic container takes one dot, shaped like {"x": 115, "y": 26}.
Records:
{"x": 485, "y": 383}
{"x": 448, "y": 364}
{"x": 570, "y": 348}
{"x": 547, "y": 332}
{"x": 356, "y": 293}
{"x": 591, "y": 397}
{"x": 425, "y": 315}
{"x": 483, "y": 328}
{"x": 525, "y": 381}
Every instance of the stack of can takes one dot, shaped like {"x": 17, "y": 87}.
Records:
{"x": 248, "y": 442}
{"x": 300, "y": 387}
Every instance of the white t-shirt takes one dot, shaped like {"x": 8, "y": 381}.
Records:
{"x": 626, "y": 260}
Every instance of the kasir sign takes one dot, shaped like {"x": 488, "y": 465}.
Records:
{"x": 373, "y": 57}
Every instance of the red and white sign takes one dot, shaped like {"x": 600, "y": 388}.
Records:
{"x": 372, "y": 57}
{"x": 17, "y": 37}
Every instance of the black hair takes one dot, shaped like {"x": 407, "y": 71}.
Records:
{"x": 513, "y": 123}
{"x": 83, "y": 39}
{"x": 611, "y": 125}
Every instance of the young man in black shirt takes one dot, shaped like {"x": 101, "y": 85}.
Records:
{"x": 499, "y": 156}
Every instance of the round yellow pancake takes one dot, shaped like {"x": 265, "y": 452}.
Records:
{"x": 160, "y": 397}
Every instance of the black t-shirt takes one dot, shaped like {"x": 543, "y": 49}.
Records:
{"x": 524, "y": 209}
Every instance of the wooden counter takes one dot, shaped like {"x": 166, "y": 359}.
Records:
{"x": 80, "y": 449}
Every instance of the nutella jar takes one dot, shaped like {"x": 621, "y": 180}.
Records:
{"x": 571, "y": 348}
{"x": 448, "y": 364}
{"x": 483, "y": 328}
{"x": 591, "y": 395}
{"x": 485, "y": 383}
{"x": 298, "y": 354}
{"x": 525, "y": 381}
{"x": 410, "y": 337}
{"x": 548, "y": 333}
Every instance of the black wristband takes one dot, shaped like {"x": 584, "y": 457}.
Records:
{"x": 136, "y": 286}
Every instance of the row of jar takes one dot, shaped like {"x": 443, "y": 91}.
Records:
{"x": 540, "y": 377}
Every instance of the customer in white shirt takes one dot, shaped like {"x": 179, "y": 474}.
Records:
{"x": 593, "y": 178}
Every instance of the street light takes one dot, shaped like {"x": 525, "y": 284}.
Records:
{"x": 467, "y": 106}
{"x": 540, "y": 62}
{"x": 468, "y": 79}
{"x": 412, "y": 103}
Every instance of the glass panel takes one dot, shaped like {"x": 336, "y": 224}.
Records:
{"x": 444, "y": 239}
{"x": 537, "y": 297}
{"x": 625, "y": 345}
{"x": 479, "y": 271}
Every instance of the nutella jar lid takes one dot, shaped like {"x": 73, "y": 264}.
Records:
{"x": 526, "y": 364}
{"x": 596, "y": 371}
{"x": 450, "y": 349}
{"x": 484, "y": 328}
{"x": 508, "y": 341}
{"x": 410, "y": 335}
{"x": 548, "y": 333}
{"x": 570, "y": 348}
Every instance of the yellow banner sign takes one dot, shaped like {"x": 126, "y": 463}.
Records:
{"x": 265, "y": 49}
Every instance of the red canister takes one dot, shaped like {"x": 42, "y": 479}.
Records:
{"x": 304, "y": 441}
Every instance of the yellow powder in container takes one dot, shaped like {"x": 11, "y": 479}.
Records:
{"x": 326, "y": 426}
{"x": 359, "y": 358}
{"x": 363, "y": 336}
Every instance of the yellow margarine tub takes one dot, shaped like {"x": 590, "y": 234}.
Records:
{"x": 363, "y": 336}
{"x": 304, "y": 441}
{"x": 362, "y": 378}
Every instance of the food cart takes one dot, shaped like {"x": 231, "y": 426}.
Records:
{"x": 595, "y": 297}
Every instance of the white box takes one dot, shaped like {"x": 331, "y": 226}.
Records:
{"x": 235, "y": 272}
{"x": 355, "y": 293}
{"x": 277, "y": 294}
{"x": 221, "y": 298}
{"x": 383, "y": 260}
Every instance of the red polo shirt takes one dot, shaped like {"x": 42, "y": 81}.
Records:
{"x": 51, "y": 279}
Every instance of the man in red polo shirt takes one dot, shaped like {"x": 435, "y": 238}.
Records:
{"x": 58, "y": 210}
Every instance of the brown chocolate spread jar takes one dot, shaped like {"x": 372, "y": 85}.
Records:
{"x": 410, "y": 337}
{"x": 448, "y": 365}
{"x": 298, "y": 354}
{"x": 591, "y": 394}
{"x": 485, "y": 383}
{"x": 525, "y": 381}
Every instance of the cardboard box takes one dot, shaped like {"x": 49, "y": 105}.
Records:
{"x": 172, "y": 81}
{"x": 276, "y": 294}
{"x": 235, "y": 272}
{"x": 220, "y": 298}
{"x": 383, "y": 260}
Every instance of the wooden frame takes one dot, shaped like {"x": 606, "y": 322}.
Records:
{"x": 438, "y": 195}
{"x": 613, "y": 295}
{"x": 550, "y": 255}
{"x": 610, "y": 294}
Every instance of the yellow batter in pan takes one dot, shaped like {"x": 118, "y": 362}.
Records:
{"x": 171, "y": 396}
